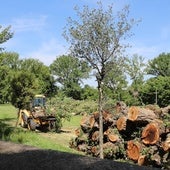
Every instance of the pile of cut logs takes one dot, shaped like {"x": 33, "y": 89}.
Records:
{"x": 136, "y": 134}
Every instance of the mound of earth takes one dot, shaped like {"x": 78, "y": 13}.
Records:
{"x": 17, "y": 156}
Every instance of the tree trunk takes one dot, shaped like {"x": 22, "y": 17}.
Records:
{"x": 141, "y": 114}
{"x": 101, "y": 121}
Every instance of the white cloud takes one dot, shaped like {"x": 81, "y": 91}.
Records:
{"x": 48, "y": 51}
{"x": 29, "y": 23}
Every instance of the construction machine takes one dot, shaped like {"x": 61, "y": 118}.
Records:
{"x": 36, "y": 117}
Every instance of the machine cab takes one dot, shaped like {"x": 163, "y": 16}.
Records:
{"x": 39, "y": 101}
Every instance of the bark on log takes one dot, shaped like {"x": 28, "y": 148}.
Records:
{"x": 150, "y": 134}
{"x": 166, "y": 143}
{"x": 86, "y": 123}
{"x": 133, "y": 150}
{"x": 142, "y": 160}
{"x": 141, "y": 114}
{"x": 95, "y": 136}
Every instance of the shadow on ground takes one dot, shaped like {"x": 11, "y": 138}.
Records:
{"x": 16, "y": 156}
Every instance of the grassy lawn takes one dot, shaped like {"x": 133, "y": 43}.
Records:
{"x": 49, "y": 140}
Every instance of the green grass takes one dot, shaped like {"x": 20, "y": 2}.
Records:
{"x": 49, "y": 140}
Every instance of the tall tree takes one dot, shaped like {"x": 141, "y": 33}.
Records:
{"x": 5, "y": 35}
{"x": 9, "y": 63}
{"x": 97, "y": 38}
{"x": 42, "y": 73}
{"x": 23, "y": 88}
{"x": 136, "y": 69}
{"x": 69, "y": 72}
{"x": 156, "y": 90}
{"x": 160, "y": 66}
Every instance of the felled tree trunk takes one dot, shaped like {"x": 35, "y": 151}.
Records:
{"x": 150, "y": 134}
{"x": 87, "y": 123}
{"x": 141, "y": 114}
{"x": 166, "y": 143}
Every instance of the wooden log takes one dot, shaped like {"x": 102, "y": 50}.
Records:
{"x": 133, "y": 150}
{"x": 166, "y": 143}
{"x": 141, "y": 114}
{"x": 121, "y": 123}
{"x": 95, "y": 136}
{"x": 150, "y": 134}
{"x": 142, "y": 160}
{"x": 121, "y": 108}
{"x": 111, "y": 136}
{"x": 87, "y": 122}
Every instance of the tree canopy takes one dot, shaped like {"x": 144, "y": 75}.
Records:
{"x": 160, "y": 66}
{"x": 5, "y": 35}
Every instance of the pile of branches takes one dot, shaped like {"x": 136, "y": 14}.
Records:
{"x": 135, "y": 134}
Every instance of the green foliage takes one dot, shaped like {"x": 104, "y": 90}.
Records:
{"x": 69, "y": 72}
{"x": 89, "y": 93}
{"x": 8, "y": 65}
{"x": 23, "y": 89}
{"x": 42, "y": 74}
{"x": 156, "y": 89}
{"x": 5, "y": 35}
{"x": 160, "y": 66}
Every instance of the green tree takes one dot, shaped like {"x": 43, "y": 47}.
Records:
{"x": 9, "y": 63}
{"x": 160, "y": 66}
{"x": 42, "y": 74}
{"x": 23, "y": 88}
{"x": 69, "y": 72}
{"x": 5, "y": 35}
{"x": 136, "y": 69}
{"x": 89, "y": 93}
{"x": 116, "y": 80}
{"x": 156, "y": 91}
{"x": 97, "y": 37}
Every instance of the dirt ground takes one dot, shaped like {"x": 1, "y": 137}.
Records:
{"x": 22, "y": 157}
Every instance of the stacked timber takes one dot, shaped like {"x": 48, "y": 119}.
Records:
{"x": 137, "y": 134}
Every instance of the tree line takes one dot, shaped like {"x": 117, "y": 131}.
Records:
{"x": 65, "y": 75}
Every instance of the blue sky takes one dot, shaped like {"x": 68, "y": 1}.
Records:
{"x": 38, "y": 26}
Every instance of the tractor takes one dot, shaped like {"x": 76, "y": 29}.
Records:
{"x": 36, "y": 117}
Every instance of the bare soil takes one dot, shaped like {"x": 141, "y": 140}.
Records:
{"x": 21, "y": 157}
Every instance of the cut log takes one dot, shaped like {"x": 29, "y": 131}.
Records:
{"x": 141, "y": 114}
{"x": 78, "y": 132}
{"x": 121, "y": 123}
{"x": 86, "y": 123}
{"x": 95, "y": 136}
{"x": 142, "y": 160}
{"x": 133, "y": 150}
{"x": 150, "y": 134}
{"x": 111, "y": 136}
{"x": 166, "y": 143}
